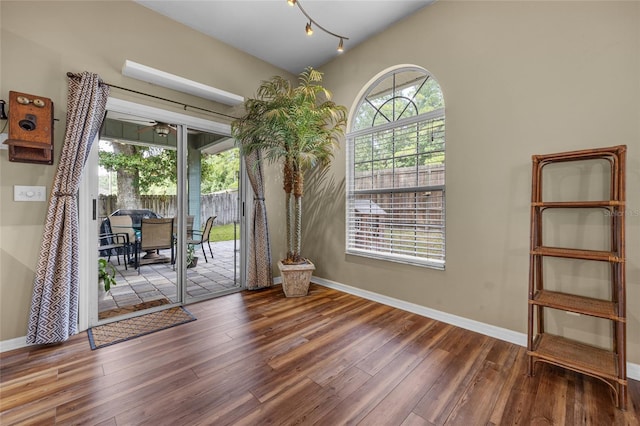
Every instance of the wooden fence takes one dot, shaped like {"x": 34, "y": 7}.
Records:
{"x": 224, "y": 205}
{"x": 381, "y": 217}
{"x": 401, "y": 177}
{"x": 427, "y": 207}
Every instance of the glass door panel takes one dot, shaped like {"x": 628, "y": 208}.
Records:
{"x": 212, "y": 224}
{"x": 137, "y": 207}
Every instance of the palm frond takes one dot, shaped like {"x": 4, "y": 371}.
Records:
{"x": 299, "y": 127}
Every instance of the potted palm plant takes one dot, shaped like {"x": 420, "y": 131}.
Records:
{"x": 299, "y": 128}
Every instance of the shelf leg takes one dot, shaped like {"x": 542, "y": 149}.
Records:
{"x": 622, "y": 397}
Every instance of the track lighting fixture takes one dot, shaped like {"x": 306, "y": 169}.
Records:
{"x": 309, "y": 30}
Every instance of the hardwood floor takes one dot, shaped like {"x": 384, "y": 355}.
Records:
{"x": 328, "y": 359}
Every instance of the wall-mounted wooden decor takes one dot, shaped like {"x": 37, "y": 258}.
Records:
{"x": 30, "y": 128}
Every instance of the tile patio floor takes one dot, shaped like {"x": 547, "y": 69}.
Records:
{"x": 158, "y": 281}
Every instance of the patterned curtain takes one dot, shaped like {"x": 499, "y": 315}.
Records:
{"x": 259, "y": 274}
{"x": 54, "y": 305}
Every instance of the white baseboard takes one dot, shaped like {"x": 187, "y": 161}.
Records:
{"x": 633, "y": 370}
{"x": 520, "y": 339}
{"x": 11, "y": 344}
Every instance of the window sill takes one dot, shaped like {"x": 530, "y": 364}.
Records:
{"x": 406, "y": 260}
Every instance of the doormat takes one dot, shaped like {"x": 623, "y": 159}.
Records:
{"x": 120, "y": 331}
{"x": 132, "y": 308}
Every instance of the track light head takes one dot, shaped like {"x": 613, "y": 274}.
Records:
{"x": 309, "y": 30}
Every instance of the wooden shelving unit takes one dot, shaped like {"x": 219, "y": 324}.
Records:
{"x": 606, "y": 365}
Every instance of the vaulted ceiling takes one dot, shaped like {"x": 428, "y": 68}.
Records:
{"x": 275, "y": 32}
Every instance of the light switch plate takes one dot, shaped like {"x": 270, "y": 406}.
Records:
{"x": 29, "y": 193}
{"x": 4, "y": 137}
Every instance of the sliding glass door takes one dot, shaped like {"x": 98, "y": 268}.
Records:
{"x": 166, "y": 214}
{"x": 137, "y": 203}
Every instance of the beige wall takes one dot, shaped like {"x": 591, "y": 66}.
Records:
{"x": 519, "y": 78}
{"x": 40, "y": 42}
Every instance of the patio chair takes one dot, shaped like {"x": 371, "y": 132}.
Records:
{"x": 156, "y": 234}
{"x": 203, "y": 237}
{"x": 190, "y": 220}
{"x": 111, "y": 242}
{"x": 124, "y": 225}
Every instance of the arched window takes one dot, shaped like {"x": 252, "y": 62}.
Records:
{"x": 395, "y": 170}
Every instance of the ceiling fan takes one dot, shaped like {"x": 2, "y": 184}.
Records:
{"x": 161, "y": 129}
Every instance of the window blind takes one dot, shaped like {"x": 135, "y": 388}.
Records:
{"x": 396, "y": 191}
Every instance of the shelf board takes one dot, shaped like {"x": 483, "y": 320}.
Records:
{"x": 585, "y": 154}
{"x": 576, "y": 356}
{"x": 574, "y": 303}
{"x": 578, "y": 204}
{"x": 604, "y": 256}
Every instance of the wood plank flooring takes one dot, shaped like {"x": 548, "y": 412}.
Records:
{"x": 256, "y": 358}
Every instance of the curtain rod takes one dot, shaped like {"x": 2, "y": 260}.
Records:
{"x": 73, "y": 75}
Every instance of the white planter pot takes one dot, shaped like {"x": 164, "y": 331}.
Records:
{"x": 102, "y": 295}
{"x": 296, "y": 278}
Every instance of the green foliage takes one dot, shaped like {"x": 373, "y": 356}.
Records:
{"x": 382, "y": 105}
{"x": 223, "y": 233}
{"x": 298, "y": 127}
{"x": 155, "y": 169}
{"x": 191, "y": 254}
{"x": 409, "y": 146}
{"x": 106, "y": 274}
{"x": 220, "y": 171}
{"x": 149, "y": 165}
